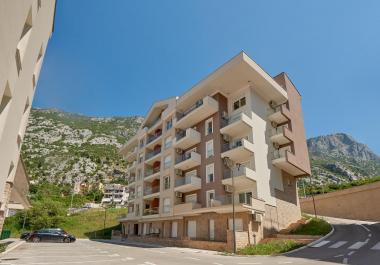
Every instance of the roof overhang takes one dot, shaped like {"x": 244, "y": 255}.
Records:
{"x": 237, "y": 73}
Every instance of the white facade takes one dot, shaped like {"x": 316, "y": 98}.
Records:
{"x": 25, "y": 29}
{"x": 115, "y": 194}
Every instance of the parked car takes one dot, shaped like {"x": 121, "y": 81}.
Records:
{"x": 50, "y": 235}
{"x": 25, "y": 235}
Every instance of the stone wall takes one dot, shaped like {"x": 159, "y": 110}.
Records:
{"x": 358, "y": 203}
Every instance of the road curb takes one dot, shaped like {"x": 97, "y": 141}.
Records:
{"x": 12, "y": 246}
{"x": 311, "y": 243}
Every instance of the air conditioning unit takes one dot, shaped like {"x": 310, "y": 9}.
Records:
{"x": 178, "y": 172}
{"x": 276, "y": 145}
{"x": 274, "y": 124}
{"x": 178, "y": 194}
{"x": 257, "y": 217}
{"x": 228, "y": 188}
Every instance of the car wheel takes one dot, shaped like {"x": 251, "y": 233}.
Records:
{"x": 66, "y": 240}
{"x": 36, "y": 239}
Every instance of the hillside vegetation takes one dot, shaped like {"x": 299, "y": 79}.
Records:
{"x": 62, "y": 147}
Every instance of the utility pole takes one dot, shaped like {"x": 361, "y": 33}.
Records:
{"x": 229, "y": 163}
{"x": 312, "y": 195}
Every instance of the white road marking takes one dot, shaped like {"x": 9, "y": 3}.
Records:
{"x": 366, "y": 228}
{"x": 192, "y": 258}
{"x": 357, "y": 245}
{"x": 216, "y": 263}
{"x": 352, "y": 252}
{"x": 376, "y": 247}
{"x": 320, "y": 244}
{"x": 285, "y": 262}
{"x": 345, "y": 261}
{"x": 338, "y": 244}
{"x": 127, "y": 258}
{"x": 72, "y": 262}
{"x": 250, "y": 263}
{"x": 369, "y": 235}
{"x": 149, "y": 263}
{"x": 337, "y": 256}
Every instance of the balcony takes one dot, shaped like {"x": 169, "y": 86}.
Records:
{"x": 279, "y": 114}
{"x": 152, "y": 174}
{"x": 187, "y": 138}
{"x": 188, "y": 160}
{"x": 153, "y": 156}
{"x": 131, "y": 156}
{"x": 188, "y": 183}
{"x": 151, "y": 192}
{"x": 281, "y": 135}
{"x": 154, "y": 123}
{"x": 236, "y": 124}
{"x": 131, "y": 166}
{"x": 243, "y": 177}
{"x": 151, "y": 211}
{"x": 285, "y": 160}
{"x": 128, "y": 216}
{"x": 202, "y": 109}
{"x": 131, "y": 180}
{"x": 153, "y": 139}
{"x": 239, "y": 151}
{"x": 187, "y": 207}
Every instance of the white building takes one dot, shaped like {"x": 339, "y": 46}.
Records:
{"x": 115, "y": 194}
{"x": 25, "y": 29}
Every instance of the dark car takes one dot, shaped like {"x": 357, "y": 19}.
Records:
{"x": 50, "y": 235}
{"x": 25, "y": 235}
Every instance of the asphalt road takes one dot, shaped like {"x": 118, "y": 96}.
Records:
{"x": 350, "y": 244}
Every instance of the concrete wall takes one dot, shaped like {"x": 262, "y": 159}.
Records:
{"x": 359, "y": 203}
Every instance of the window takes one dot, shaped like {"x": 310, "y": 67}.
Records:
{"x": 139, "y": 191}
{"x": 168, "y": 142}
{"x": 141, "y": 158}
{"x": 238, "y": 224}
{"x": 167, "y": 205}
{"x": 245, "y": 197}
{"x": 167, "y": 162}
{"x": 166, "y": 182}
{"x": 169, "y": 124}
{"x": 210, "y": 197}
{"x": 239, "y": 103}
{"x": 139, "y": 174}
{"x": 210, "y": 173}
{"x": 23, "y": 42}
{"x": 209, "y": 148}
{"x": 5, "y": 98}
{"x": 209, "y": 127}
{"x": 38, "y": 5}
{"x": 141, "y": 143}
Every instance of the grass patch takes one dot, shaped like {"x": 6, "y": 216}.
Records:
{"x": 315, "y": 227}
{"x": 88, "y": 224}
{"x": 270, "y": 248}
{"x": 3, "y": 247}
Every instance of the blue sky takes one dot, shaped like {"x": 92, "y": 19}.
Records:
{"x": 116, "y": 57}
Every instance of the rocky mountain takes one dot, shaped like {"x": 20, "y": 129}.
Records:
{"x": 62, "y": 147}
{"x": 339, "y": 157}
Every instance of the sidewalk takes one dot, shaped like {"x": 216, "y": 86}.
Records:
{"x": 11, "y": 243}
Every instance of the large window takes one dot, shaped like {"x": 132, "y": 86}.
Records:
{"x": 209, "y": 148}
{"x": 168, "y": 142}
{"x": 141, "y": 158}
{"x": 167, "y": 205}
{"x": 166, "y": 182}
{"x": 210, "y": 173}
{"x": 210, "y": 197}
{"x": 167, "y": 162}
{"x": 209, "y": 128}
{"x": 169, "y": 124}
{"x": 239, "y": 103}
{"x": 245, "y": 197}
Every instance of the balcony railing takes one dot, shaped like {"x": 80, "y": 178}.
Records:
{"x": 151, "y": 138}
{"x": 233, "y": 145}
{"x": 150, "y": 172}
{"x": 188, "y": 180}
{"x": 131, "y": 197}
{"x": 220, "y": 200}
{"x": 180, "y": 134}
{"x": 235, "y": 172}
{"x": 150, "y": 211}
{"x": 183, "y": 157}
{"x": 152, "y": 154}
{"x": 151, "y": 190}
{"x": 131, "y": 179}
{"x": 190, "y": 109}
{"x": 281, "y": 153}
{"x": 231, "y": 119}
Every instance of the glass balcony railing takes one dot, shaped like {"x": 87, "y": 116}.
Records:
{"x": 152, "y": 154}
{"x": 150, "y": 211}
{"x": 189, "y": 110}
{"x": 151, "y": 190}
{"x": 151, "y": 138}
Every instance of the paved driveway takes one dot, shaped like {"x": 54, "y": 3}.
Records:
{"x": 91, "y": 252}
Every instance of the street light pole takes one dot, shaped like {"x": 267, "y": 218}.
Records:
{"x": 229, "y": 164}
{"x": 312, "y": 195}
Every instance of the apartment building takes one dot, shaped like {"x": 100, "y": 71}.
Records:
{"x": 236, "y": 140}
{"x": 25, "y": 29}
{"x": 115, "y": 195}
